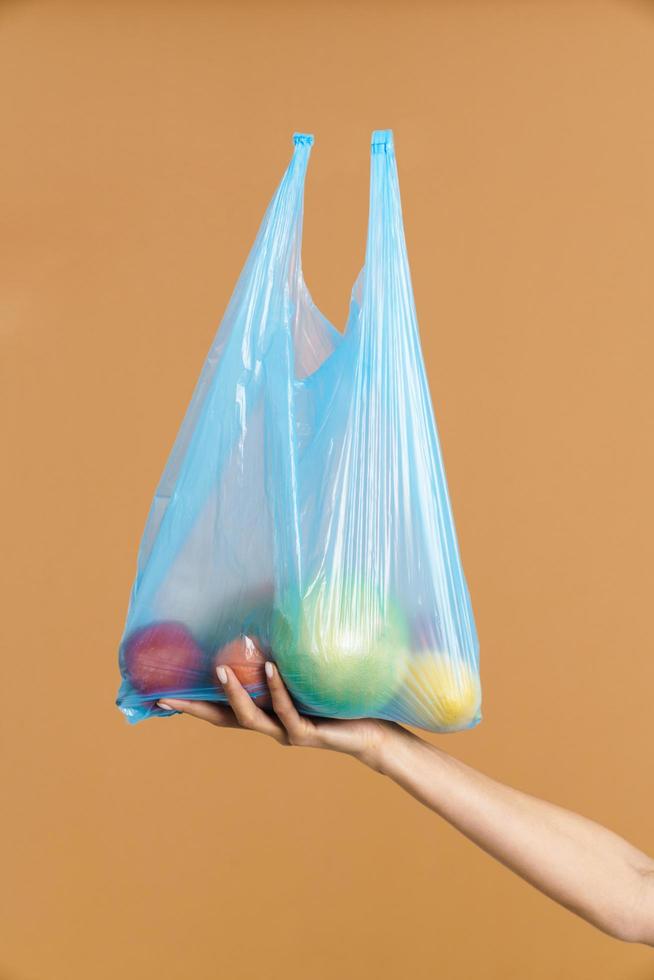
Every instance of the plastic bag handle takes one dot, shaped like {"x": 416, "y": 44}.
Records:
{"x": 281, "y": 228}
{"x": 303, "y": 139}
{"x": 386, "y": 254}
{"x": 382, "y": 141}
{"x": 253, "y": 316}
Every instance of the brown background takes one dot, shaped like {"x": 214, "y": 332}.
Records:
{"x": 142, "y": 142}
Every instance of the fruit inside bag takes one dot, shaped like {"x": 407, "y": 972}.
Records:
{"x": 303, "y": 515}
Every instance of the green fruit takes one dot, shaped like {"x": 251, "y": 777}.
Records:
{"x": 342, "y": 652}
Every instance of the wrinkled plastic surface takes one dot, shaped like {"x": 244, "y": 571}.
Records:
{"x": 303, "y": 514}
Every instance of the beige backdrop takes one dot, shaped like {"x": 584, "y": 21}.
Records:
{"x": 141, "y": 144}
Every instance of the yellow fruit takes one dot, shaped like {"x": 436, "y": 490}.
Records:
{"x": 441, "y": 692}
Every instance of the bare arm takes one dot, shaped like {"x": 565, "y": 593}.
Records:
{"x": 578, "y": 863}
{"x": 575, "y": 861}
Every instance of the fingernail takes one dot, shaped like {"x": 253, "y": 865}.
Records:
{"x": 270, "y": 670}
{"x": 166, "y": 707}
{"x": 222, "y": 675}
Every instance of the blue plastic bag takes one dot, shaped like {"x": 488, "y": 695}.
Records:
{"x": 303, "y": 515}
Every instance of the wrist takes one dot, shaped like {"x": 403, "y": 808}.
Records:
{"x": 382, "y": 746}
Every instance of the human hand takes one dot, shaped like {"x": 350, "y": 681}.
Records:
{"x": 361, "y": 738}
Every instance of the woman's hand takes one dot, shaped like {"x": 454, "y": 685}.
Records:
{"x": 361, "y": 738}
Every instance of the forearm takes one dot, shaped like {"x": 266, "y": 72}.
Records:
{"x": 578, "y": 863}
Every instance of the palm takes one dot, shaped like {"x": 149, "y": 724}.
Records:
{"x": 358, "y": 736}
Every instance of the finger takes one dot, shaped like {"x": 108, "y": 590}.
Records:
{"x": 299, "y": 730}
{"x": 247, "y": 713}
{"x": 217, "y": 714}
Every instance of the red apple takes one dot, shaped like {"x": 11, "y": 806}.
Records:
{"x": 246, "y": 658}
{"x": 162, "y": 658}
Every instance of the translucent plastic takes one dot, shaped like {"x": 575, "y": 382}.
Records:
{"x": 303, "y": 515}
